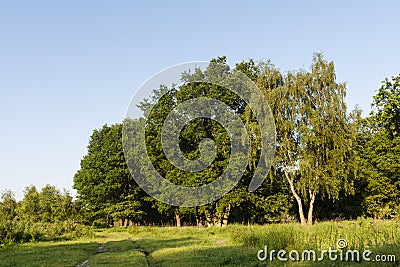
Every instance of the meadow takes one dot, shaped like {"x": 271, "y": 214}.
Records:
{"x": 234, "y": 245}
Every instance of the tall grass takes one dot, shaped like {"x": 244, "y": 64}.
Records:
{"x": 361, "y": 234}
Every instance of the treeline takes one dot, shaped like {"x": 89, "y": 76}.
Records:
{"x": 329, "y": 162}
{"x": 45, "y": 215}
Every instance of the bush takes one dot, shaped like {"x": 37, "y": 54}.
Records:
{"x": 20, "y": 231}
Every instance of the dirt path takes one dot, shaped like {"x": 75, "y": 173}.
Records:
{"x": 102, "y": 249}
{"x": 144, "y": 252}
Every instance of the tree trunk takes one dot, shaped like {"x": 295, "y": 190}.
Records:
{"x": 209, "y": 220}
{"x": 178, "y": 219}
{"x": 226, "y": 215}
{"x": 301, "y": 211}
{"x": 311, "y": 208}
{"x": 217, "y": 221}
{"x": 298, "y": 199}
{"x": 199, "y": 222}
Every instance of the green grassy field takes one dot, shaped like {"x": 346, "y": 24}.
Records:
{"x": 235, "y": 245}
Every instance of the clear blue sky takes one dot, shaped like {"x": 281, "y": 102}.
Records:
{"x": 68, "y": 67}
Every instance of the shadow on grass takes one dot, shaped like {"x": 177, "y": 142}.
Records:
{"x": 112, "y": 253}
{"x": 208, "y": 256}
{"x": 118, "y": 253}
{"x": 166, "y": 252}
{"x": 154, "y": 244}
{"x": 46, "y": 254}
{"x": 196, "y": 252}
{"x": 236, "y": 256}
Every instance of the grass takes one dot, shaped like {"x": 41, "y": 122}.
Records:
{"x": 47, "y": 254}
{"x": 235, "y": 245}
{"x": 380, "y": 237}
{"x": 116, "y": 250}
{"x": 119, "y": 253}
{"x": 189, "y": 246}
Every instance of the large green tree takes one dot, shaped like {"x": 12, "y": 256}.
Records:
{"x": 104, "y": 183}
{"x": 315, "y": 136}
{"x": 380, "y": 150}
{"x": 192, "y": 134}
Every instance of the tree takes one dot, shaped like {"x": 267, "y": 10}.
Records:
{"x": 380, "y": 150}
{"x": 29, "y": 209}
{"x": 271, "y": 202}
{"x": 191, "y": 135}
{"x": 199, "y": 129}
{"x": 104, "y": 182}
{"x": 50, "y": 204}
{"x": 387, "y": 106}
{"x": 315, "y": 137}
{"x": 8, "y": 207}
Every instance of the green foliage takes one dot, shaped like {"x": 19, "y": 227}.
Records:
{"x": 387, "y": 106}
{"x": 104, "y": 183}
{"x": 8, "y": 207}
{"x": 315, "y": 150}
{"x": 380, "y": 149}
{"x": 43, "y": 215}
{"x": 30, "y": 206}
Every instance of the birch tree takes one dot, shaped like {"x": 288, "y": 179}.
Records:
{"x": 315, "y": 136}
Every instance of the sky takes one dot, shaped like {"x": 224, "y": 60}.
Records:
{"x": 69, "y": 67}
